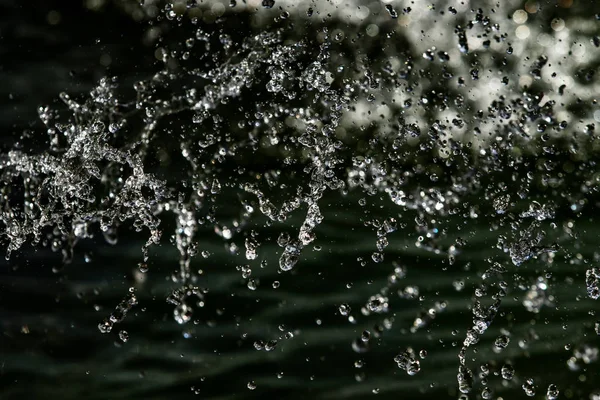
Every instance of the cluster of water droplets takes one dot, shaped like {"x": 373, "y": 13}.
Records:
{"x": 119, "y": 314}
{"x": 330, "y": 119}
{"x": 408, "y": 362}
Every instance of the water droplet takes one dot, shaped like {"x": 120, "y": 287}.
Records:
{"x": 529, "y": 388}
{"x": 507, "y": 371}
{"x": 124, "y": 336}
{"x": 344, "y": 309}
{"x": 553, "y": 392}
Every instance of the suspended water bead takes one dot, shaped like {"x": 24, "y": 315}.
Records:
{"x": 502, "y": 342}
{"x": 344, "y": 309}
{"x": 289, "y": 258}
{"x": 246, "y": 271}
{"x": 259, "y": 345}
{"x": 124, "y": 336}
{"x": 529, "y": 387}
{"x": 507, "y": 371}
{"x": 365, "y": 336}
{"x": 413, "y": 367}
{"x": 283, "y": 239}
{"x": 271, "y": 345}
{"x": 251, "y": 385}
{"x": 252, "y": 284}
{"x": 553, "y": 392}
{"x": 486, "y": 393}
{"x": 382, "y": 243}
{"x": 105, "y": 326}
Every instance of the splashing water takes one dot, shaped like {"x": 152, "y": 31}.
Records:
{"x": 276, "y": 134}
